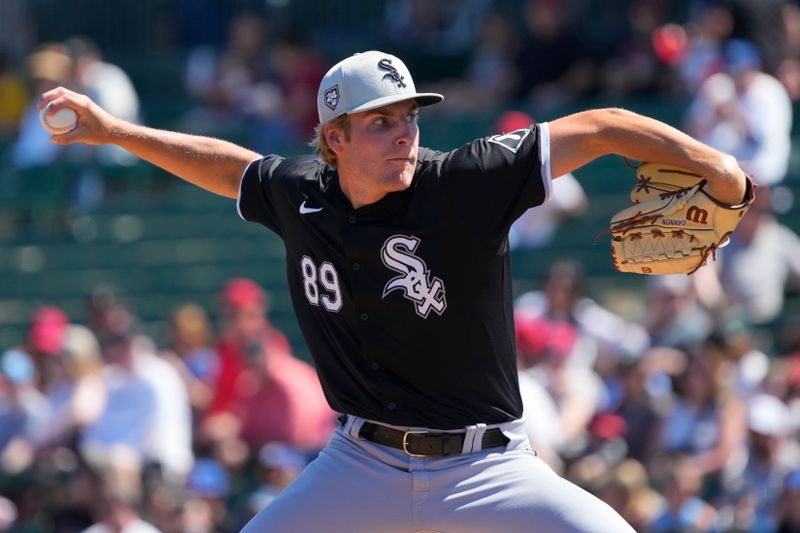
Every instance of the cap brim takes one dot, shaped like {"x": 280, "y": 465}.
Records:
{"x": 423, "y": 99}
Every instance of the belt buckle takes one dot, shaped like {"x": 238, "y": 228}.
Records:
{"x": 405, "y": 443}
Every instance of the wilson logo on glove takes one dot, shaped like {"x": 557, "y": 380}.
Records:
{"x": 697, "y": 215}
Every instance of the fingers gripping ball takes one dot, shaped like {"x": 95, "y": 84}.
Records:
{"x": 60, "y": 122}
{"x": 674, "y": 225}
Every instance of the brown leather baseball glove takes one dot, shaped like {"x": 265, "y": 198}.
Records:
{"x": 674, "y": 225}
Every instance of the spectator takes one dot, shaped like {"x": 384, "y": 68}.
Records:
{"x": 207, "y": 486}
{"x": 260, "y": 381}
{"x": 105, "y": 314}
{"x": 77, "y": 392}
{"x": 604, "y": 336}
{"x": 745, "y": 112}
{"x": 789, "y": 510}
{"x": 67, "y": 490}
{"x": 8, "y": 514}
{"x": 554, "y": 66}
{"x": 634, "y": 67}
{"x": 300, "y": 68}
{"x": 244, "y": 311}
{"x": 128, "y": 419}
{"x": 164, "y": 505}
{"x": 191, "y": 353}
{"x": 46, "y": 341}
{"x": 789, "y": 70}
{"x": 279, "y": 398}
{"x": 604, "y": 449}
{"x": 706, "y": 33}
{"x": 637, "y": 409}
{"x": 771, "y": 456}
{"x": 237, "y": 89}
{"x": 13, "y": 98}
{"x": 109, "y": 86}
{"x": 542, "y": 417}
{"x": 49, "y": 66}
{"x": 163, "y": 435}
{"x": 674, "y": 317}
{"x": 23, "y": 410}
{"x": 762, "y": 260}
{"x": 685, "y": 510}
{"x": 106, "y": 83}
{"x": 760, "y": 22}
{"x": 116, "y": 506}
{"x": 437, "y": 27}
{"x": 707, "y": 420}
{"x": 745, "y": 367}
{"x": 169, "y": 443}
{"x": 491, "y": 75}
{"x": 627, "y": 489}
{"x": 278, "y": 465}
{"x": 546, "y": 347}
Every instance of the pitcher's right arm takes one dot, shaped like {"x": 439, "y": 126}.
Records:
{"x": 213, "y": 164}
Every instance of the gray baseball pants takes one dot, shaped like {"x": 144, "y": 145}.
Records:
{"x": 356, "y": 486}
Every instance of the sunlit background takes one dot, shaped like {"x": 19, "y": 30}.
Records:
{"x": 141, "y": 378}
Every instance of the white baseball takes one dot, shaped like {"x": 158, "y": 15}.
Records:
{"x": 62, "y": 121}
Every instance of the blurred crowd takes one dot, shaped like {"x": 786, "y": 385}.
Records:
{"x": 684, "y": 418}
{"x": 681, "y": 420}
{"x": 258, "y": 79}
{"x": 76, "y": 63}
{"x": 736, "y": 63}
{"x": 102, "y": 430}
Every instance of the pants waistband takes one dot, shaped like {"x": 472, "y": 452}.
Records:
{"x": 426, "y": 442}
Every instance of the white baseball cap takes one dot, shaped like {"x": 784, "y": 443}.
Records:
{"x": 366, "y": 81}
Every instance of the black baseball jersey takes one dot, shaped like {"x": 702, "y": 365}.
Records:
{"x": 406, "y": 303}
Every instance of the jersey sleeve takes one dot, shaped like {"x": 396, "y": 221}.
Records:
{"x": 492, "y": 181}
{"x": 255, "y": 202}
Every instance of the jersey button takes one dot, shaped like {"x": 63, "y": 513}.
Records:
{"x": 391, "y": 406}
{"x": 364, "y": 316}
{"x": 374, "y": 366}
{"x": 351, "y": 219}
{"x": 356, "y": 266}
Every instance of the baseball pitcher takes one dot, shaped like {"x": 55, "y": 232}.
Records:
{"x": 398, "y": 266}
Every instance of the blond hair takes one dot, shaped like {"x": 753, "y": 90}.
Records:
{"x": 320, "y": 144}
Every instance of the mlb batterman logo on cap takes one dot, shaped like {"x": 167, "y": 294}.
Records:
{"x": 365, "y": 81}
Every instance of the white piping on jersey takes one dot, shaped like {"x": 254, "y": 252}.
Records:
{"x": 544, "y": 155}
{"x": 239, "y": 197}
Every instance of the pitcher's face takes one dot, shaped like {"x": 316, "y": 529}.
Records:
{"x": 380, "y": 155}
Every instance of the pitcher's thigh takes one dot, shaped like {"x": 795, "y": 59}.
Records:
{"x": 516, "y": 492}
{"x": 340, "y": 492}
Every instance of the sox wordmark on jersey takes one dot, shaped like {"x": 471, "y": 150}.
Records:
{"x": 427, "y": 293}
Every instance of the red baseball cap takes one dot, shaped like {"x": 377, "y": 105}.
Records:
{"x": 531, "y": 334}
{"x": 46, "y": 333}
{"x": 513, "y": 121}
{"x": 607, "y": 426}
{"x": 242, "y": 292}
{"x": 537, "y": 334}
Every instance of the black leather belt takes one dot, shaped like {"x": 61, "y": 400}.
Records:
{"x": 426, "y": 443}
